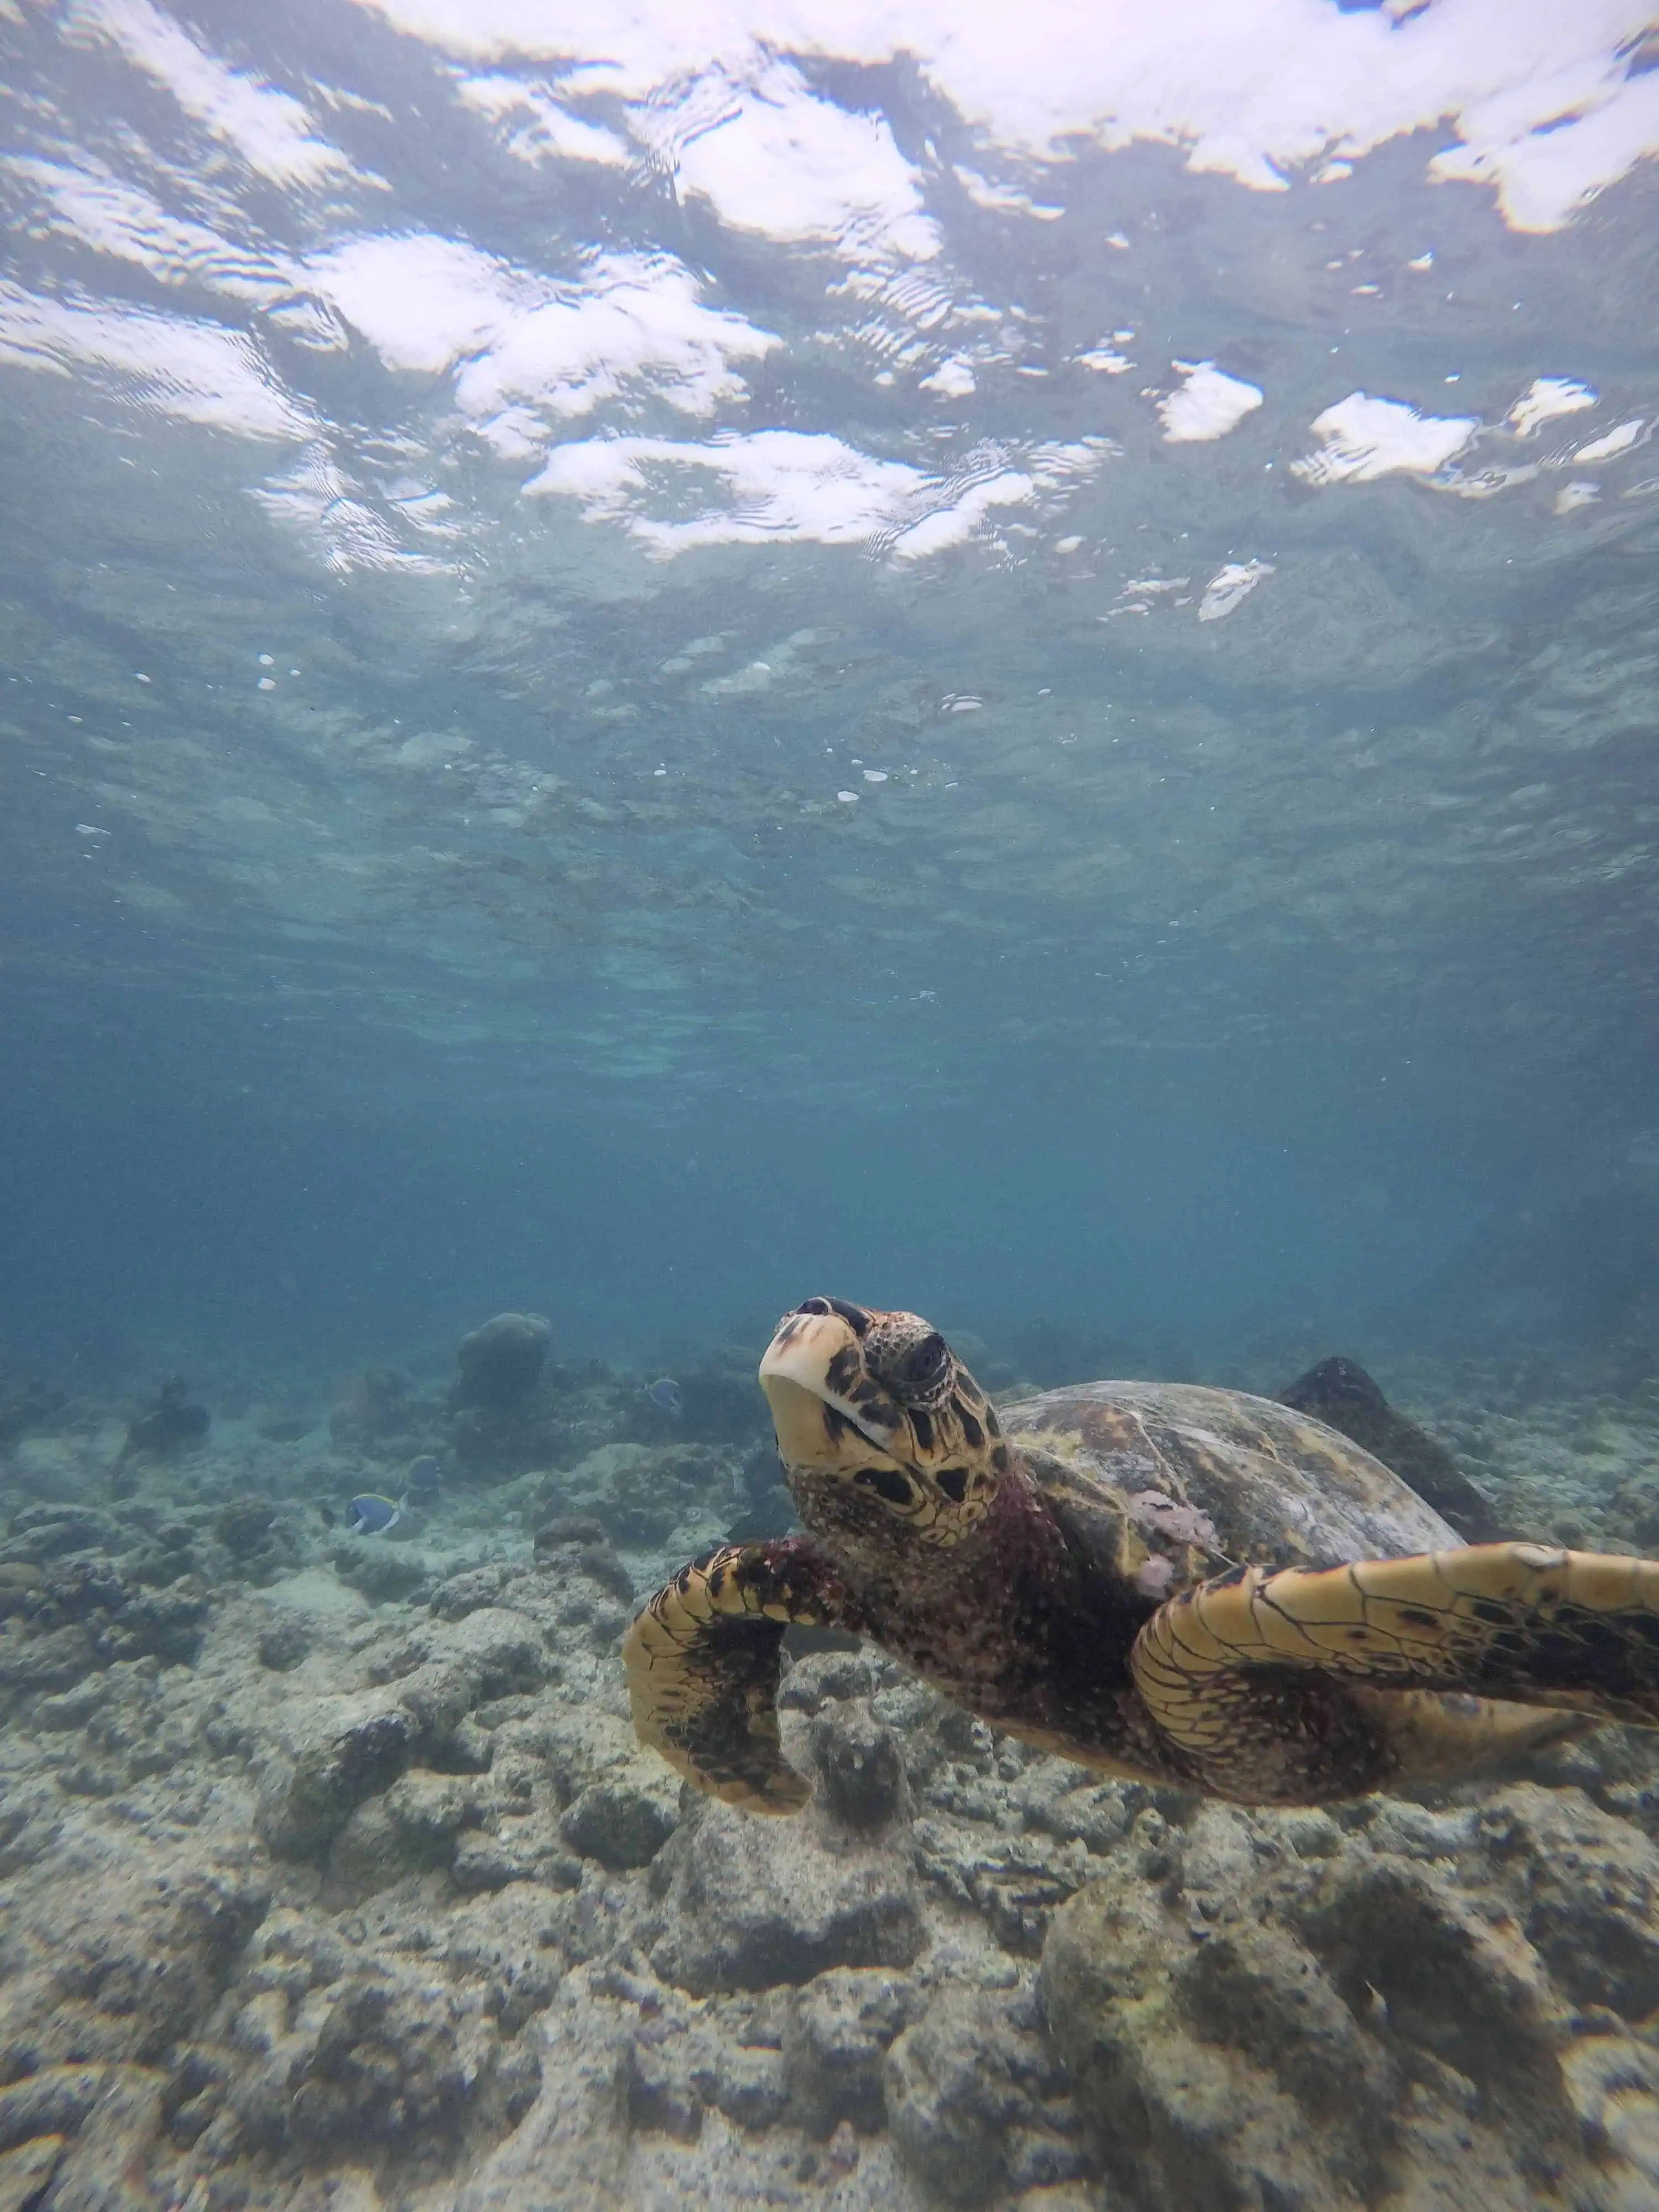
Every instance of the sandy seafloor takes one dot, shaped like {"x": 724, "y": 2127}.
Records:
{"x": 330, "y": 1875}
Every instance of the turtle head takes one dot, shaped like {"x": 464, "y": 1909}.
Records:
{"x": 880, "y": 1425}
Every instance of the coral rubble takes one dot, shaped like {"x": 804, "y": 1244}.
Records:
{"x": 330, "y": 1874}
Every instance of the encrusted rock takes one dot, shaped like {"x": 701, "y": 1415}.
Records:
{"x": 500, "y": 1362}
{"x": 859, "y": 1764}
{"x": 624, "y": 1821}
{"x": 132, "y": 1973}
{"x": 388, "y": 1573}
{"x": 753, "y": 1903}
{"x": 284, "y": 1644}
{"x": 836, "y": 2033}
{"x": 25, "y": 2172}
{"x": 952, "y": 2094}
{"x": 113, "y": 2112}
{"x": 467, "y": 1593}
{"x": 333, "y": 1753}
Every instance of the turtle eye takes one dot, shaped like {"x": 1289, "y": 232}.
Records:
{"x": 917, "y": 1375}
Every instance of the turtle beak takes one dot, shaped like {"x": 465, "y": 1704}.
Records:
{"x": 813, "y": 1364}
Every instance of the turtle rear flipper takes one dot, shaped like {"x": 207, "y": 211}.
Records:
{"x": 703, "y": 1661}
{"x": 1246, "y": 1675}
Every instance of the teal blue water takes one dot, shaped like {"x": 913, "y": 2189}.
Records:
{"x": 655, "y": 660}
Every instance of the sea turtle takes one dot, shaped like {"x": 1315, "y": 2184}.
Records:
{"x": 1191, "y": 1586}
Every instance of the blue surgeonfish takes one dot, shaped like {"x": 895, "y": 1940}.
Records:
{"x": 664, "y": 1395}
{"x": 422, "y": 1476}
{"x": 374, "y": 1516}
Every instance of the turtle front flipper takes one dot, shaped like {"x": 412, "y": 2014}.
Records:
{"x": 1246, "y": 1673}
{"x": 703, "y": 1661}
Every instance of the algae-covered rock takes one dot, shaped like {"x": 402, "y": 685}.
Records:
{"x": 387, "y": 1573}
{"x": 1180, "y": 2110}
{"x": 1261, "y": 2010}
{"x": 25, "y": 2172}
{"x": 859, "y": 1764}
{"x": 837, "y": 2029}
{"x": 624, "y": 1819}
{"x": 500, "y": 1362}
{"x": 328, "y": 1754}
{"x": 570, "y": 2149}
{"x": 133, "y": 1973}
{"x": 87, "y": 2128}
{"x": 755, "y": 1903}
{"x": 952, "y": 2094}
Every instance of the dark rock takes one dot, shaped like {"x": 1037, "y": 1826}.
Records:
{"x": 330, "y": 1779}
{"x": 83, "y": 1614}
{"x": 1587, "y": 1889}
{"x": 286, "y": 1428}
{"x": 835, "y": 2036}
{"x": 1339, "y": 1393}
{"x": 169, "y": 1623}
{"x": 1262, "y": 1992}
{"x": 825, "y": 1676}
{"x": 131, "y": 1974}
{"x": 756, "y": 1903}
{"x": 47, "y": 1531}
{"x": 19, "y": 1581}
{"x": 622, "y": 1823}
{"x": 103, "y": 2169}
{"x": 570, "y": 1528}
{"x": 328, "y": 1761}
{"x": 465, "y": 1592}
{"x": 394, "y": 2062}
{"x": 951, "y": 2095}
{"x": 53, "y": 1660}
{"x": 388, "y": 1573}
{"x": 244, "y": 1527}
{"x": 579, "y": 1544}
{"x": 860, "y": 1765}
{"x": 484, "y": 1861}
{"x": 284, "y": 1644}
{"x": 25, "y": 2172}
{"x": 500, "y": 1362}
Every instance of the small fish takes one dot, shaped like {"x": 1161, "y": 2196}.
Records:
{"x": 374, "y": 1516}
{"x": 665, "y": 1395}
{"x": 327, "y": 1516}
{"x": 422, "y": 1475}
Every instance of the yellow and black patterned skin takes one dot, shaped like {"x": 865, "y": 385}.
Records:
{"x": 1189, "y": 1585}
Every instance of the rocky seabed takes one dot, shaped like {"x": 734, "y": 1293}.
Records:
{"x": 330, "y": 1876}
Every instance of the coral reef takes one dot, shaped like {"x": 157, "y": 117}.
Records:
{"x": 500, "y": 1362}
{"x": 330, "y": 1874}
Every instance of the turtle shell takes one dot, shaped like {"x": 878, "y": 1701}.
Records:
{"x": 1166, "y": 1484}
